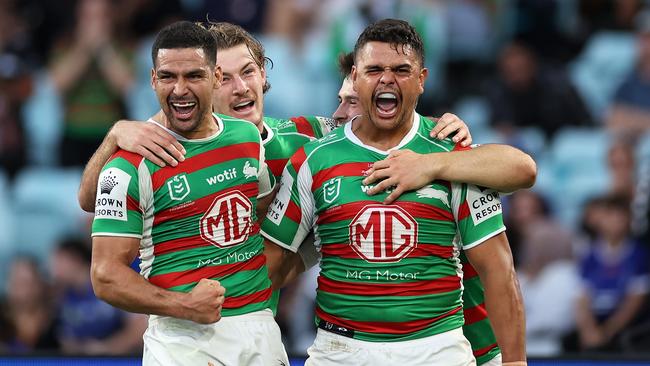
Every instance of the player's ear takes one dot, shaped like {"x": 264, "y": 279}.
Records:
{"x": 218, "y": 76}
{"x": 424, "y": 73}
{"x": 353, "y": 77}
{"x": 153, "y": 78}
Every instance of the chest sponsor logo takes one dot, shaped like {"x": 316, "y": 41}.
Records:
{"x": 483, "y": 203}
{"x": 228, "y": 220}
{"x": 331, "y": 189}
{"x": 227, "y": 174}
{"x": 178, "y": 187}
{"x": 430, "y": 192}
{"x": 113, "y": 186}
{"x": 380, "y": 233}
{"x": 328, "y": 124}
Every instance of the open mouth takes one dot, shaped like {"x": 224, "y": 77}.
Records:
{"x": 386, "y": 104}
{"x": 244, "y": 107}
{"x": 183, "y": 110}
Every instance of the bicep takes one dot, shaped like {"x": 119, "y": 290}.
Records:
{"x": 112, "y": 250}
{"x": 492, "y": 255}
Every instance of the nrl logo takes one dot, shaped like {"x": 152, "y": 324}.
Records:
{"x": 178, "y": 187}
{"x": 331, "y": 189}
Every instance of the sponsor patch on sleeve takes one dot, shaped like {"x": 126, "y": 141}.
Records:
{"x": 112, "y": 189}
{"x": 278, "y": 207}
{"x": 483, "y": 203}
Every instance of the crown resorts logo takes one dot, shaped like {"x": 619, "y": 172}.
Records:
{"x": 108, "y": 183}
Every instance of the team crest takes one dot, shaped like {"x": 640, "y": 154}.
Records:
{"x": 178, "y": 187}
{"x": 331, "y": 189}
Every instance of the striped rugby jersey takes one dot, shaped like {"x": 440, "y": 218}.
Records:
{"x": 196, "y": 220}
{"x": 388, "y": 272}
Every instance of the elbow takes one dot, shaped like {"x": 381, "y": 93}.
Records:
{"x": 102, "y": 280}
{"x": 528, "y": 171}
{"x": 85, "y": 204}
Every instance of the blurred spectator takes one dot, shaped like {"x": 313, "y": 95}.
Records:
{"x": 607, "y": 14}
{"x": 614, "y": 273}
{"x": 548, "y": 278}
{"x": 29, "y": 309}
{"x": 16, "y": 59}
{"x": 525, "y": 94}
{"x": 592, "y": 215}
{"x": 248, "y": 14}
{"x": 630, "y": 109}
{"x": 92, "y": 73}
{"x": 86, "y": 324}
{"x": 621, "y": 162}
{"x": 524, "y": 209}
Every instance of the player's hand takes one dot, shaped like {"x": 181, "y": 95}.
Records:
{"x": 204, "y": 302}
{"x": 402, "y": 169}
{"x": 448, "y": 124}
{"x": 148, "y": 140}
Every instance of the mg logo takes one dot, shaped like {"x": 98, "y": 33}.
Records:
{"x": 382, "y": 233}
{"x": 228, "y": 220}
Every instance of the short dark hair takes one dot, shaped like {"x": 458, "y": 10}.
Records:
{"x": 185, "y": 34}
{"x": 230, "y": 35}
{"x": 396, "y": 32}
{"x": 346, "y": 61}
{"x": 76, "y": 248}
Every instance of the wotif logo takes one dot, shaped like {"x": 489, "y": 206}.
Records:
{"x": 227, "y": 174}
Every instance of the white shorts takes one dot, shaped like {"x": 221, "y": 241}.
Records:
{"x": 496, "y": 361}
{"x": 449, "y": 349}
{"x": 249, "y": 339}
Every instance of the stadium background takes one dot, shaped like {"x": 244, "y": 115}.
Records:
{"x": 563, "y": 80}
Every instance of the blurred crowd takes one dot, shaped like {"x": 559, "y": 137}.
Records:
{"x": 567, "y": 81}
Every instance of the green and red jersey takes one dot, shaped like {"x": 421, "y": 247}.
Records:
{"x": 285, "y": 136}
{"x": 196, "y": 220}
{"x": 388, "y": 272}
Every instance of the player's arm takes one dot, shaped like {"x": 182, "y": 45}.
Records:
{"x": 116, "y": 283}
{"x": 146, "y": 139}
{"x": 500, "y": 167}
{"x": 492, "y": 260}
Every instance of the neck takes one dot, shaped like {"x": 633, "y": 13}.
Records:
{"x": 382, "y": 139}
{"x": 206, "y": 128}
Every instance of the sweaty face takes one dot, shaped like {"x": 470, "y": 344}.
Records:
{"x": 241, "y": 94}
{"x": 185, "y": 84}
{"x": 348, "y": 103}
{"x": 389, "y": 82}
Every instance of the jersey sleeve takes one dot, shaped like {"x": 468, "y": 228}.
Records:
{"x": 314, "y": 126}
{"x": 290, "y": 217}
{"x": 117, "y": 206}
{"x": 265, "y": 178}
{"x": 478, "y": 213}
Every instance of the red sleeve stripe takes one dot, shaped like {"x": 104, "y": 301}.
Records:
{"x": 277, "y": 166}
{"x": 349, "y": 210}
{"x": 469, "y": 271}
{"x": 463, "y": 211}
{"x": 133, "y": 158}
{"x": 132, "y": 203}
{"x": 422, "y": 250}
{"x": 202, "y": 204}
{"x": 416, "y": 288}
{"x": 174, "y": 279}
{"x": 249, "y": 150}
{"x": 190, "y": 242}
{"x": 298, "y": 159}
{"x": 293, "y": 212}
{"x": 303, "y": 126}
{"x": 475, "y": 314}
{"x": 342, "y": 170}
{"x": 236, "y": 302}
{"x": 384, "y": 327}
{"x": 482, "y": 351}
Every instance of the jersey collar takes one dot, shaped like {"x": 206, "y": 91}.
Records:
{"x": 405, "y": 140}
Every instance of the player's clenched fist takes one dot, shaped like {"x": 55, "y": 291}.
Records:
{"x": 203, "y": 303}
